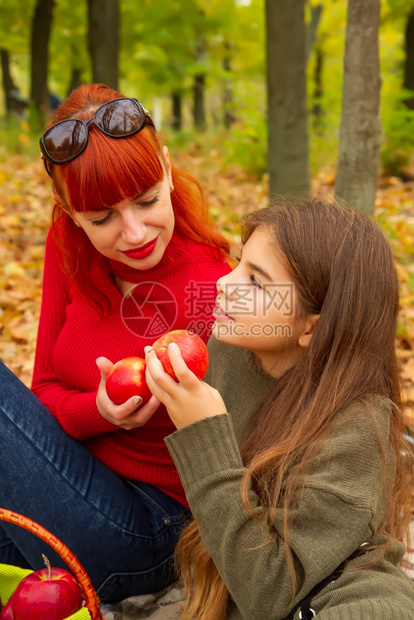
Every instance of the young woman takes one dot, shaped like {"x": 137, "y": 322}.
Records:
{"x": 292, "y": 455}
{"x": 131, "y": 254}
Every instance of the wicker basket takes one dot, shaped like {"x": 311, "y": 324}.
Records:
{"x": 91, "y": 598}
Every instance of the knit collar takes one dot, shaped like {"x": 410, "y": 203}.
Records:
{"x": 176, "y": 252}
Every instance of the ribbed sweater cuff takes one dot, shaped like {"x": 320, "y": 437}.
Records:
{"x": 203, "y": 448}
{"x": 81, "y": 418}
{"x": 366, "y": 610}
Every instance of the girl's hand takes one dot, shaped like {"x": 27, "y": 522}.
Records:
{"x": 125, "y": 416}
{"x": 187, "y": 401}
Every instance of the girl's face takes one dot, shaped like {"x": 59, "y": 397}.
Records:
{"x": 257, "y": 307}
{"x": 135, "y": 231}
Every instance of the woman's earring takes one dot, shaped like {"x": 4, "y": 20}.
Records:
{"x": 76, "y": 223}
{"x": 171, "y": 187}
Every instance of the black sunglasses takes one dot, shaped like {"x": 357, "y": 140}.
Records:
{"x": 67, "y": 139}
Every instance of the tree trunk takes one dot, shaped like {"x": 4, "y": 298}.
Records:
{"x": 227, "y": 97}
{"x": 317, "y": 111}
{"x": 360, "y": 134}
{"x": 316, "y": 13}
{"x": 409, "y": 59}
{"x": 199, "y": 111}
{"x": 41, "y": 27}
{"x": 75, "y": 79}
{"x": 103, "y": 40}
{"x": 199, "y": 108}
{"x": 286, "y": 93}
{"x": 11, "y": 92}
{"x": 177, "y": 115}
{"x": 77, "y": 68}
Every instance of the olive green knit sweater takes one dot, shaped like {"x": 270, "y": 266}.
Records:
{"x": 342, "y": 506}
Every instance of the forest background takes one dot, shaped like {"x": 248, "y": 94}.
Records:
{"x": 202, "y": 69}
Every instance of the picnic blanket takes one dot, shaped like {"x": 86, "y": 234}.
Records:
{"x": 163, "y": 605}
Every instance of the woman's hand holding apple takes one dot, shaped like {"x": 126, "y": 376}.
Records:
{"x": 128, "y": 415}
{"x": 123, "y": 391}
{"x": 189, "y": 400}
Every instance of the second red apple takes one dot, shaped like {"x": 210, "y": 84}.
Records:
{"x": 193, "y": 351}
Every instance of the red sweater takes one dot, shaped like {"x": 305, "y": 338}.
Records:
{"x": 72, "y": 334}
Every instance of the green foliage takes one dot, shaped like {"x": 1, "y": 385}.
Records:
{"x": 398, "y": 140}
{"x": 15, "y": 25}
{"x": 16, "y": 138}
{"x": 396, "y": 8}
{"x": 402, "y": 331}
{"x": 68, "y": 46}
{"x": 397, "y": 120}
{"x": 165, "y": 44}
{"x": 330, "y": 41}
{"x": 246, "y": 144}
{"x": 410, "y": 282}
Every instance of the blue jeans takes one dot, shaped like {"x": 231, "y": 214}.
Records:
{"x": 123, "y": 532}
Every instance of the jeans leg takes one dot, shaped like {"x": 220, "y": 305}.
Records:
{"x": 9, "y": 553}
{"x": 115, "y": 529}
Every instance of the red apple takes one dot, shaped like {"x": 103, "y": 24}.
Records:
{"x": 127, "y": 378}
{"x": 50, "y": 593}
{"x": 7, "y": 611}
{"x": 193, "y": 351}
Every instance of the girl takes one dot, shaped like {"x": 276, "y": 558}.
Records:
{"x": 132, "y": 253}
{"x": 292, "y": 453}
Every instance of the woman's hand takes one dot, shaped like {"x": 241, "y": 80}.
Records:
{"x": 187, "y": 401}
{"x": 125, "y": 416}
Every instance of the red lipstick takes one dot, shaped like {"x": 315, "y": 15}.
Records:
{"x": 143, "y": 251}
{"x": 218, "y": 313}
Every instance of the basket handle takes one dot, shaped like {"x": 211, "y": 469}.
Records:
{"x": 91, "y": 598}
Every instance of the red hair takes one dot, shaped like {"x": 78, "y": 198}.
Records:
{"x": 109, "y": 171}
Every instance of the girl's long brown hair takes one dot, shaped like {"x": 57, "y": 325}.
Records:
{"x": 107, "y": 172}
{"x": 343, "y": 270}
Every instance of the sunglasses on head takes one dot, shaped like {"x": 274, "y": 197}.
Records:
{"x": 67, "y": 139}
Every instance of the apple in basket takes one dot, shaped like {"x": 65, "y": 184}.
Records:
{"x": 193, "y": 350}
{"x": 46, "y": 594}
{"x": 7, "y": 611}
{"x": 127, "y": 378}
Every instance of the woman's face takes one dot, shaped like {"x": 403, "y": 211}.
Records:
{"x": 257, "y": 306}
{"x": 135, "y": 231}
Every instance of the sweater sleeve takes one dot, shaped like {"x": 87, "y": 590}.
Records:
{"x": 75, "y": 411}
{"x": 334, "y": 516}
